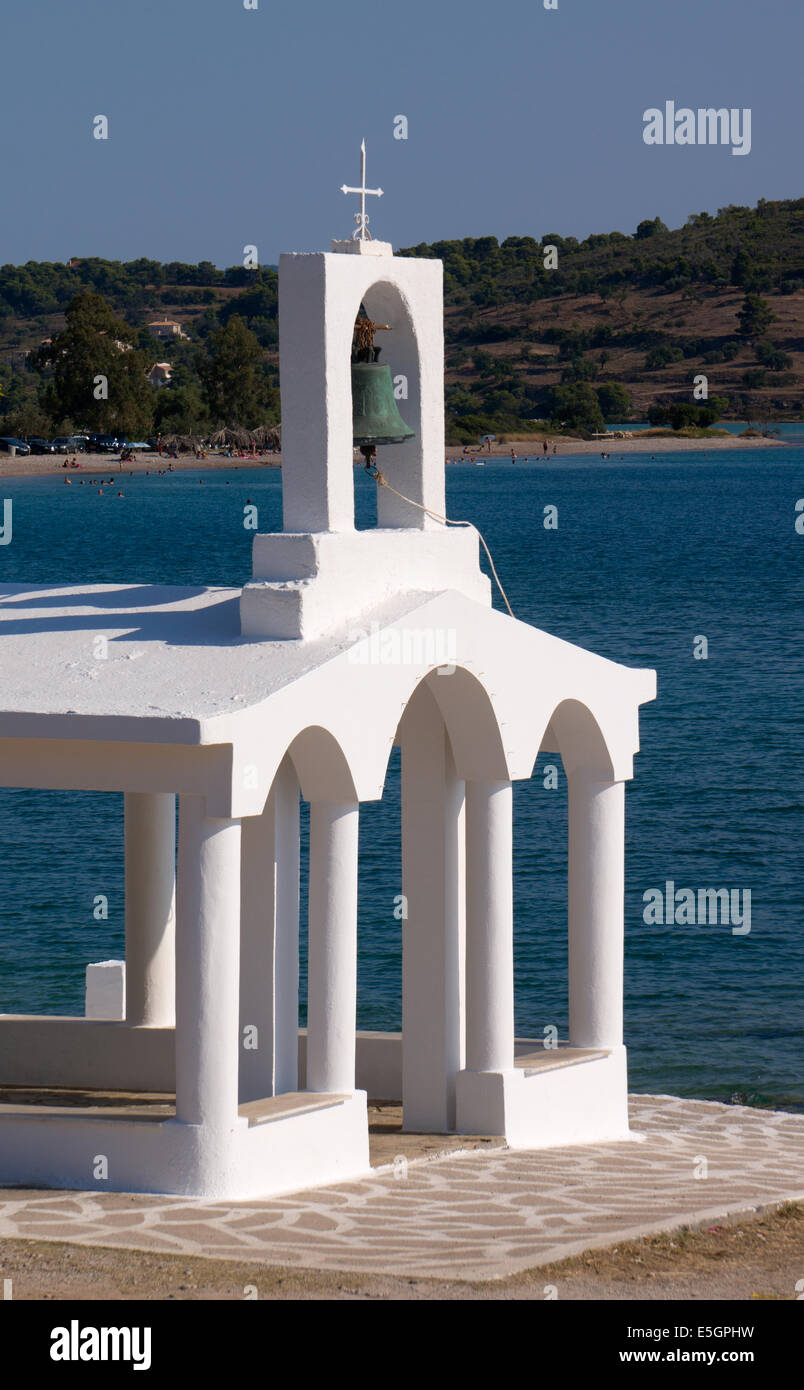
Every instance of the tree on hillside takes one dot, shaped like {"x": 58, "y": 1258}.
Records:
{"x": 614, "y": 401}
{"x": 575, "y": 407}
{"x": 755, "y": 316}
{"x": 181, "y": 409}
{"x": 688, "y": 415}
{"x": 231, "y": 372}
{"x": 20, "y": 413}
{"x": 650, "y": 227}
{"x": 742, "y": 269}
{"x": 95, "y": 382}
{"x": 773, "y": 358}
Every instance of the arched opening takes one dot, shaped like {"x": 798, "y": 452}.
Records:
{"x": 318, "y": 881}
{"x": 385, "y": 306}
{"x": 550, "y": 928}
{"x": 541, "y": 997}
{"x": 289, "y": 869}
{"x": 380, "y": 911}
{"x": 448, "y": 734}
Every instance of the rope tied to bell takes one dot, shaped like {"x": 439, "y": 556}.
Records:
{"x": 381, "y": 481}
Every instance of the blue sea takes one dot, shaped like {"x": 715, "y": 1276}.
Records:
{"x": 648, "y": 557}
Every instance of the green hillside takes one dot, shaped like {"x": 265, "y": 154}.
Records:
{"x": 609, "y": 327}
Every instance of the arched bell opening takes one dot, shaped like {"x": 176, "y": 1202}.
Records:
{"x": 385, "y": 371}
{"x": 320, "y": 297}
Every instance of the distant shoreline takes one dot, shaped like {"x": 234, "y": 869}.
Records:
{"x": 656, "y": 444}
{"x": 106, "y": 465}
{"x": 98, "y": 466}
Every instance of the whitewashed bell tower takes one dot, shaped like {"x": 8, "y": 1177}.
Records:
{"x": 320, "y": 572}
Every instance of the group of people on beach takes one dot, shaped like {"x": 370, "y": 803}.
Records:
{"x": 469, "y": 450}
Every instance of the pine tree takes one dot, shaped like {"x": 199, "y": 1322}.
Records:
{"x": 98, "y": 380}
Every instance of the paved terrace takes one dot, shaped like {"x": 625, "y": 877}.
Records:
{"x": 474, "y": 1215}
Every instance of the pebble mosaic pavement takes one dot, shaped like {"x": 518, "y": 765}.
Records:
{"x": 477, "y": 1215}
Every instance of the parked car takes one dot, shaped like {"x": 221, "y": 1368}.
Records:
{"x": 42, "y": 446}
{"x": 140, "y": 446}
{"x": 79, "y": 443}
{"x": 61, "y": 445}
{"x": 9, "y": 442}
{"x": 105, "y": 443}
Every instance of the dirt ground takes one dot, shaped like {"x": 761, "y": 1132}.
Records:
{"x": 760, "y": 1258}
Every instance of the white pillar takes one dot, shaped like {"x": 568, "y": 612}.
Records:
{"x": 150, "y": 876}
{"x": 257, "y": 878}
{"x": 207, "y": 966}
{"x": 286, "y": 929}
{"x": 332, "y": 947}
{"x": 489, "y": 927}
{"x": 269, "y": 943}
{"x": 596, "y": 911}
{"x": 315, "y": 335}
{"x": 433, "y": 934}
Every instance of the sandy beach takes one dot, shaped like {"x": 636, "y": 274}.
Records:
{"x": 108, "y": 465}
{"x": 614, "y": 448}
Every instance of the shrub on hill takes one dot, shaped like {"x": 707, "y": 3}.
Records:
{"x": 574, "y": 407}
{"x": 772, "y": 358}
{"x": 662, "y": 356}
{"x": 687, "y": 415}
{"x": 614, "y": 401}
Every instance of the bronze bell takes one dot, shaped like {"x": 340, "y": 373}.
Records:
{"x": 375, "y": 417}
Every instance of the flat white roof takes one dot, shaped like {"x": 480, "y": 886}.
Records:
{"x": 173, "y": 653}
{"x": 177, "y": 669}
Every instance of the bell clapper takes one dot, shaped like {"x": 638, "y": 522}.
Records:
{"x": 370, "y": 455}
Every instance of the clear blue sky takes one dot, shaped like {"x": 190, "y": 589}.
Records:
{"x": 230, "y": 126}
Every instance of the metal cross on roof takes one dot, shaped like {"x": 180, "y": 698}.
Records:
{"x": 361, "y": 218}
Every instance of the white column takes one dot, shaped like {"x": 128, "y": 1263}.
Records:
{"x": 332, "y": 947}
{"x": 257, "y": 984}
{"x": 433, "y": 933}
{"x": 150, "y": 876}
{"x": 315, "y": 335}
{"x": 596, "y": 911}
{"x": 207, "y": 966}
{"x": 489, "y": 927}
{"x": 269, "y": 943}
{"x": 286, "y": 929}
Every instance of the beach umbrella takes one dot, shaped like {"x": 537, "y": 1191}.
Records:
{"x": 267, "y": 436}
{"x": 240, "y": 438}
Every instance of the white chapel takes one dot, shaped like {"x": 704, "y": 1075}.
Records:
{"x": 238, "y": 704}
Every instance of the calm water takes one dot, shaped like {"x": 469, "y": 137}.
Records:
{"x": 647, "y": 557}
